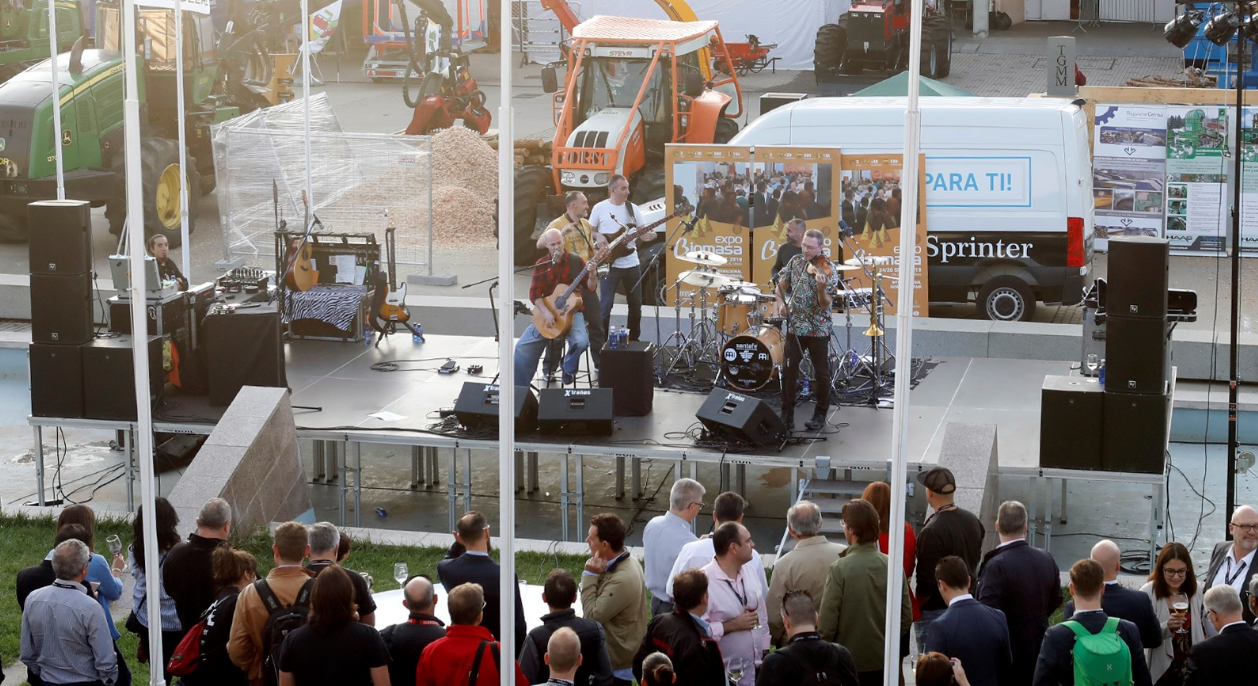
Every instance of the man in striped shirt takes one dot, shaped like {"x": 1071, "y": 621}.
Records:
{"x": 65, "y": 638}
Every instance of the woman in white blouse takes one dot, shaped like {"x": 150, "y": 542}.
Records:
{"x": 1173, "y": 582}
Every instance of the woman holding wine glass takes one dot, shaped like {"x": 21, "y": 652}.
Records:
{"x": 1176, "y": 597}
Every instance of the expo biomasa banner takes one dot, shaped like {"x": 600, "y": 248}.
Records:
{"x": 799, "y": 182}
{"x": 708, "y": 177}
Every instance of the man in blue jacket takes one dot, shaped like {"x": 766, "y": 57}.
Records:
{"x": 968, "y": 630}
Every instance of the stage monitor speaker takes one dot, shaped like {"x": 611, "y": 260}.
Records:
{"x": 575, "y": 411}
{"x": 1137, "y": 355}
{"x": 109, "y": 377}
{"x": 243, "y": 348}
{"x": 1071, "y": 411}
{"x": 61, "y": 308}
{"x": 60, "y": 236}
{"x": 56, "y": 380}
{"x": 477, "y": 408}
{"x": 1135, "y": 434}
{"x": 629, "y": 371}
{"x": 741, "y": 417}
{"x": 1138, "y": 277}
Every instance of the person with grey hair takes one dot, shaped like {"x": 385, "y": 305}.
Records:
{"x": 1231, "y": 562}
{"x": 65, "y": 637}
{"x": 1225, "y": 658}
{"x": 804, "y": 568}
{"x": 188, "y": 572}
{"x": 406, "y": 641}
{"x": 664, "y": 537}
{"x": 1023, "y": 582}
{"x": 324, "y": 542}
{"x": 806, "y": 653}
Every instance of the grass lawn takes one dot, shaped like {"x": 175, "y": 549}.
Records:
{"x": 24, "y": 541}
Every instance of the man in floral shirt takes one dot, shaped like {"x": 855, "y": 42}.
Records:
{"x": 807, "y": 326}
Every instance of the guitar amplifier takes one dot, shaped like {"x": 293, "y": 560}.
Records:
{"x": 56, "y": 380}
{"x": 576, "y": 411}
{"x": 627, "y": 369}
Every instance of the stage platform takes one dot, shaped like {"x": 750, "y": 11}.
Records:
{"x": 339, "y": 380}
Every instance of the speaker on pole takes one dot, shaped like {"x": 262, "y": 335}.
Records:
{"x": 741, "y": 417}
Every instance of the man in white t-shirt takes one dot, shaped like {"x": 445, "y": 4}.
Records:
{"x": 609, "y": 217}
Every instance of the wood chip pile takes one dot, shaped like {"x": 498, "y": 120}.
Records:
{"x": 527, "y": 150}
{"x": 465, "y": 185}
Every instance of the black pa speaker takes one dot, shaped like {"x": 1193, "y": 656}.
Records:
{"x": 61, "y": 308}
{"x": 109, "y": 377}
{"x": 741, "y": 417}
{"x": 243, "y": 348}
{"x": 60, "y": 236}
{"x": 1137, "y": 355}
{"x": 1139, "y": 276}
{"x": 1135, "y": 432}
{"x": 56, "y": 374}
{"x": 477, "y": 408}
{"x": 629, "y": 371}
{"x": 1071, "y": 419}
{"x": 577, "y": 411}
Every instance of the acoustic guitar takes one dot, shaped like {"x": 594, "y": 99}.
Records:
{"x": 563, "y": 303}
{"x": 621, "y": 242}
{"x": 301, "y": 274}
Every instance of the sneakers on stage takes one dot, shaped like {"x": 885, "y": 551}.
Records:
{"x": 817, "y": 421}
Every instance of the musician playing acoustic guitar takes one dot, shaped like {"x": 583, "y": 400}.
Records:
{"x": 580, "y": 239}
{"x": 558, "y": 268}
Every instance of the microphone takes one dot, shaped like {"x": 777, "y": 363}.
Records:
{"x": 845, "y": 229}
{"x": 690, "y": 226}
{"x": 554, "y": 257}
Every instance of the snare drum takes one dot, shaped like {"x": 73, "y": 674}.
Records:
{"x": 738, "y": 312}
{"x": 751, "y": 359}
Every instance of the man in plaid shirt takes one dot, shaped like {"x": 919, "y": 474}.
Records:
{"x": 580, "y": 239}
{"x": 558, "y": 268}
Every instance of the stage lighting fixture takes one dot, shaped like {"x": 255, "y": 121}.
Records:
{"x": 1180, "y": 30}
{"x": 1219, "y": 30}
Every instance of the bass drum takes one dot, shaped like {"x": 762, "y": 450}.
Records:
{"x": 750, "y": 361}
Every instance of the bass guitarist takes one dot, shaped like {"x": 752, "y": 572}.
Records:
{"x": 580, "y": 239}
{"x": 558, "y": 268}
{"x": 610, "y": 217}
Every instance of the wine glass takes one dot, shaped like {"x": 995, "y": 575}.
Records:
{"x": 1179, "y": 606}
{"x": 1093, "y": 363}
{"x": 115, "y": 544}
{"x": 401, "y": 573}
{"x": 734, "y": 668}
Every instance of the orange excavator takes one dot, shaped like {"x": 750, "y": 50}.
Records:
{"x": 632, "y": 86}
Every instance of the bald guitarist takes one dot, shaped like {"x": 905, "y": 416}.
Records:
{"x": 580, "y": 239}
{"x": 552, "y": 275}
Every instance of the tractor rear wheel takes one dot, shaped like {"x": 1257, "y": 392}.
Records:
{"x": 648, "y": 187}
{"x": 161, "y": 178}
{"x": 531, "y": 187}
{"x": 827, "y": 52}
{"x": 936, "y": 47}
{"x": 726, "y": 129}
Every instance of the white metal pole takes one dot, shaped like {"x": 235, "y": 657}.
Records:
{"x": 903, "y": 351}
{"x": 305, "y": 96}
{"x": 144, "y": 417}
{"x": 56, "y": 99}
{"x": 184, "y": 229}
{"x": 507, "y": 587}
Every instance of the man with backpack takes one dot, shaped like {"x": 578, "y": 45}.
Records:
{"x": 258, "y": 626}
{"x": 468, "y": 655}
{"x": 1092, "y": 649}
{"x": 807, "y": 659}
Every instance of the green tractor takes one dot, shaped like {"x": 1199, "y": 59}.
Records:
{"x": 91, "y": 137}
{"x": 24, "y": 33}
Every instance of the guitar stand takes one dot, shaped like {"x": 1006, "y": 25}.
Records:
{"x": 389, "y": 328}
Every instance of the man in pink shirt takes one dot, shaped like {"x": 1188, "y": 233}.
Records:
{"x": 736, "y": 613}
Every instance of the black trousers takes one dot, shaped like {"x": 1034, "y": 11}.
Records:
{"x": 593, "y": 327}
{"x": 818, "y": 351}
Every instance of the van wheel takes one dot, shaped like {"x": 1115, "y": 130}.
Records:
{"x": 1006, "y": 299}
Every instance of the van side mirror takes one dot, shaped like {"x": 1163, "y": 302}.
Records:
{"x": 693, "y": 83}
{"x": 550, "y": 79}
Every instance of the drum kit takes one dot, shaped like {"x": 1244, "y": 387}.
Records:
{"x": 739, "y": 331}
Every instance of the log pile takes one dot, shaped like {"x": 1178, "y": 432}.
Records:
{"x": 528, "y": 151}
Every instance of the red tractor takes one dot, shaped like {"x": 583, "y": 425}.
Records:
{"x": 447, "y": 91}
{"x": 875, "y": 36}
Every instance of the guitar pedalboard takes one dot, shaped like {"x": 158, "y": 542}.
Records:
{"x": 475, "y": 369}
{"x": 449, "y": 367}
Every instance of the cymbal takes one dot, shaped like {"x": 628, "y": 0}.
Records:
{"x": 846, "y": 267}
{"x": 703, "y": 279}
{"x": 704, "y": 257}
{"x": 742, "y": 284}
{"x": 868, "y": 261}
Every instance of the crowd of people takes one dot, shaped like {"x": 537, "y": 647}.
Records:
{"x": 769, "y": 198}
{"x": 715, "y": 616}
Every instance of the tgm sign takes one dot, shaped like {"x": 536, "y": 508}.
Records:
{"x": 978, "y": 181}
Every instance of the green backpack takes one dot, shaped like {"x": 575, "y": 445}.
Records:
{"x": 1100, "y": 659}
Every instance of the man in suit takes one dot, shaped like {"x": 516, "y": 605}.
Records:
{"x": 805, "y": 568}
{"x": 1232, "y": 563}
{"x": 1024, "y": 583}
{"x": 848, "y": 208}
{"x": 968, "y": 630}
{"x": 1225, "y": 658}
{"x": 1056, "y": 662}
{"x": 477, "y": 567}
{"x": 760, "y": 206}
{"x": 1124, "y": 603}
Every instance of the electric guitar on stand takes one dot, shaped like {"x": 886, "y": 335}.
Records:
{"x": 389, "y": 303}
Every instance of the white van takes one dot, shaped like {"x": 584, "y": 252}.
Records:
{"x": 1008, "y": 189}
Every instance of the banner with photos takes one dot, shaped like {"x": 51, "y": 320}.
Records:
{"x": 798, "y": 183}
{"x": 692, "y": 173}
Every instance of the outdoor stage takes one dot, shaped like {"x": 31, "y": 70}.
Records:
{"x": 338, "y": 379}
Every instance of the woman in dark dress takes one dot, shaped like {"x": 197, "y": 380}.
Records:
{"x": 233, "y": 570}
{"x": 333, "y": 629}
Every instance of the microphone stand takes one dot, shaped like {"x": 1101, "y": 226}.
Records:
{"x": 690, "y": 226}
{"x": 492, "y": 309}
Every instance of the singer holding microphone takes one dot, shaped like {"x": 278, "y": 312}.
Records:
{"x": 804, "y": 291}
{"x": 558, "y": 268}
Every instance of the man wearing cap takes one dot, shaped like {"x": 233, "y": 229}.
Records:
{"x": 949, "y": 531}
